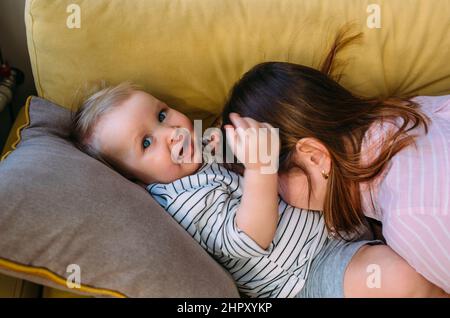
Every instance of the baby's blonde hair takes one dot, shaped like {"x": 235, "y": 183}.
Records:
{"x": 100, "y": 101}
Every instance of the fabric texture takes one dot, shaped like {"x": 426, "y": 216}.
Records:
{"x": 205, "y": 205}
{"x": 61, "y": 207}
{"x": 412, "y": 197}
{"x": 326, "y": 279}
{"x": 190, "y": 53}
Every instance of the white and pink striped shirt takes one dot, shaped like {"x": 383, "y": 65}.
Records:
{"x": 412, "y": 197}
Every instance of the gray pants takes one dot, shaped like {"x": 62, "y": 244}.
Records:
{"x": 326, "y": 276}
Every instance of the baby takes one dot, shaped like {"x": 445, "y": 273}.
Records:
{"x": 269, "y": 247}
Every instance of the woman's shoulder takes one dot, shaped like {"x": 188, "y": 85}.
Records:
{"x": 434, "y": 104}
{"x": 379, "y": 130}
{"x": 375, "y": 137}
{"x": 437, "y": 99}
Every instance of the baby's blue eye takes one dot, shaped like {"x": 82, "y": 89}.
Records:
{"x": 162, "y": 115}
{"x": 147, "y": 142}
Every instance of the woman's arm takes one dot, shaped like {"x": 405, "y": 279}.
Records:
{"x": 257, "y": 214}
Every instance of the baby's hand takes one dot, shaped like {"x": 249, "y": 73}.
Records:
{"x": 255, "y": 144}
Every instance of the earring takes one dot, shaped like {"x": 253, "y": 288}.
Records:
{"x": 325, "y": 175}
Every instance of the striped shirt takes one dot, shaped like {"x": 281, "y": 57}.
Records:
{"x": 412, "y": 196}
{"x": 205, "y": 205}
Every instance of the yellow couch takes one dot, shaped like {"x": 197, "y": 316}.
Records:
{"x": 189, "y": 53}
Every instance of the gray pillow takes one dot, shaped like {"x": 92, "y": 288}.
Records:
{"x": 58, "y": 206}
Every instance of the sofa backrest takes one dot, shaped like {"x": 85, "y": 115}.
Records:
{"x": 189, "y": 53}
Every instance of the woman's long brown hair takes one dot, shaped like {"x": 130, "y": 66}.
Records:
{"x": 305, "y": 102}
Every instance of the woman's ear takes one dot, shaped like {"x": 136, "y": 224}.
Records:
{"x": 313, "y": 154}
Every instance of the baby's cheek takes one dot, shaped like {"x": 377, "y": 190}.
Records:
{"x": 164, "y": 171}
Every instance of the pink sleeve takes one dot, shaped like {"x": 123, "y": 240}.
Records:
{"x": 435, "y": 104}
{"x": 424, "y": 242}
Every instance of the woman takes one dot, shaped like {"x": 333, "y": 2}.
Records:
{"x": 352, "y": 157}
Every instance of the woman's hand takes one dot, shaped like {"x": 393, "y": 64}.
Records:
{"x": 254, "y": 144}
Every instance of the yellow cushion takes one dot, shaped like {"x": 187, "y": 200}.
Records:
{"x": 189, "y": 53}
